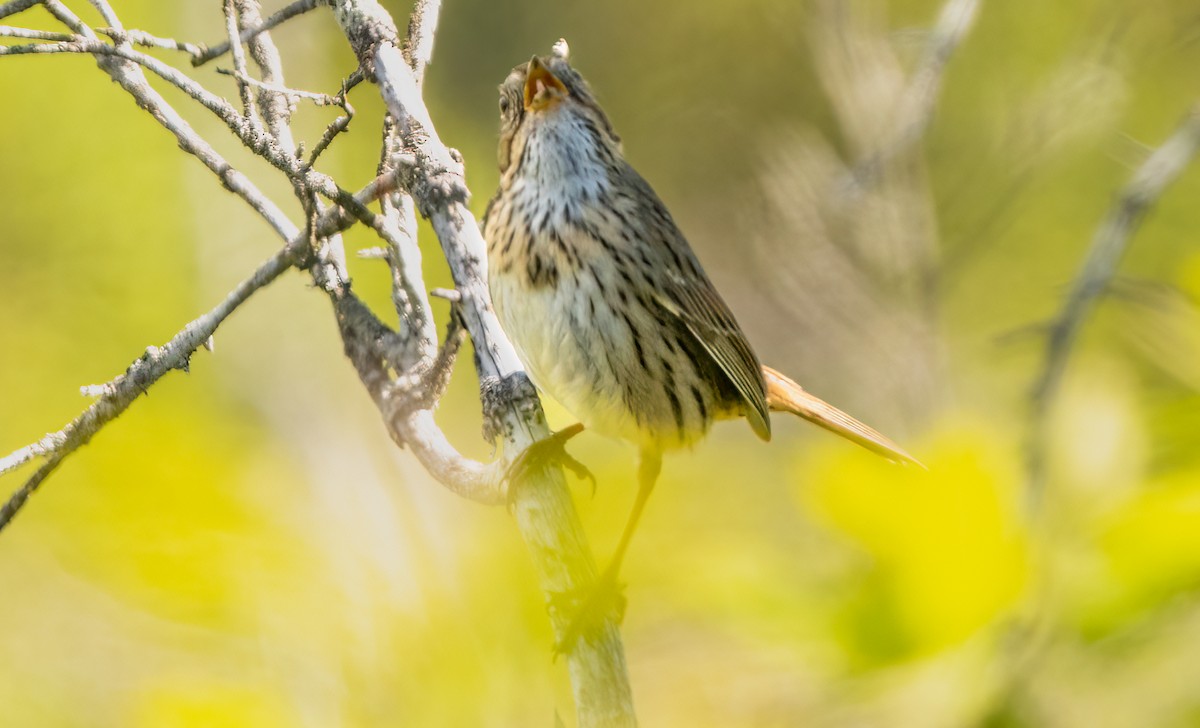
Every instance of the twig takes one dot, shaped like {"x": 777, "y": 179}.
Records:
{"x": 206, "y": 54}
{"x": 919, "y": 100}
{"x": 124, "y": 389}
{"x": 953, "y": 24}
{"x": 8, "y": 31}
{"x": 131, "y": 78}
{"x": 339, "y": 124}
{"x": 56, "y": 446}
{"x": 16, "y": 6}
{"x": 1109, "y": 243}
{"x": 146, "y": 40}
{"x": 406, "y": 401}
{"x": 41, "y": 448}
{"x": 67, "y": 18}
{"x": 106, "y": 11}
{"x": 319, "y": 99}
{"x": 418, "y": 42}
{"x": 249, "y": 104}
{"x": 409, "y": 293}
{"x": 265, "y": 145}
{"x": 407, "y": 410}
{"x": 336, "y": 127}
{"x": 277, "y": 107}
{"x": 218, "y": 106}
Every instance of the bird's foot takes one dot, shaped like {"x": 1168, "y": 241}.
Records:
{"x": 604, "y": 601}
{"x": 549, "y": 450}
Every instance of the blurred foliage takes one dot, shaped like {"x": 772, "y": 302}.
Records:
{"x": 247, "y": 547}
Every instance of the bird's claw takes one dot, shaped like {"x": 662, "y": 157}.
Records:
{"x": 549, "y": 450}
{"x": 605, "y": 601}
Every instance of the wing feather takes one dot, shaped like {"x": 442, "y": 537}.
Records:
{"x": 688, "y": 294}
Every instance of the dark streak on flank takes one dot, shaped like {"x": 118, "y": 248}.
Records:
{"x": 700, "y": 406}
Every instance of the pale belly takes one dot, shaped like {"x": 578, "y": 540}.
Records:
{"x": 573, "y": 353}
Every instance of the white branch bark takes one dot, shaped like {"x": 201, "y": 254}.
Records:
{"x": 542, "y": 504}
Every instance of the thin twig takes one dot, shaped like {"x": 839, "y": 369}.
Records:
{"x": 106, "y": 11}
{"x": 953, "y": 24}
{"x": 319, "y": 99}
{"x": 276, "y": 107}
{"x": 206, "y": 54}
{"x": 8, "y": 31}
{"x": 418, "y": 43}
{"x": 337, "y": 126}
{"x": 146, "y": 40}
{"x": 67, "y": 18}
{"x": 265, "y": 145}
{"x": 249, "y": 103}
{"x": 409, "y": 352}
{"x": 131, "y": 78}
{"x": 919, "y": 100}
{"x": 408, "y": 410}
{"x": 1108, "y": 246}
{"x": 121, "y": 392}
{"x": 41, "y": 448}
{"x": 16, "y": 6}
{"x": 172, "y": 355}
{"x": 406, "y": 401}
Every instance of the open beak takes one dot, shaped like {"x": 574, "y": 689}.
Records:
{"x": 542, "y": 88}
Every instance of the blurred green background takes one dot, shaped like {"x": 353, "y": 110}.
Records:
{"x": 246, "y": 547}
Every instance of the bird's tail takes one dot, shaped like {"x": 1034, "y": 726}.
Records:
{"x": 784, "y": 395}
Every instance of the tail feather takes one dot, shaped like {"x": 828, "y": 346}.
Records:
{"x": 784, "y": 395}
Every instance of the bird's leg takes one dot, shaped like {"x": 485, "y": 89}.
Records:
{"x": 648, "y": 470}
{"x": 605, "y": 597}
{"x": 548, "y": 450}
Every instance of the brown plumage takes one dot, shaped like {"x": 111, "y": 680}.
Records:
{"x": 603, "y": 298}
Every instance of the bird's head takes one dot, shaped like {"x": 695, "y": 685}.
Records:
{"x": 546, "y": 93}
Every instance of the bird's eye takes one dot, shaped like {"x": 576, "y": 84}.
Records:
{"x": 503, "y": 104}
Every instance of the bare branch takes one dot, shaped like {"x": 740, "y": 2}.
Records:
{"x": 249, "y": 104}
{"x": 408, "y": 410}
{"x": 317, "y": 98}
{"x": 418, "y": 43}
{"x": 277, "y": 107}
{"x": 66, "y": 17}
{"x": 142, "y": 38}
{"x": 541, "y": 504}
{"x": 7, "y": 31}
{"x": 173, "y": 355}
{"x": 41, "y": 448}
{"x": 406, "y": 402}
{"x": 338, "y": 126}
{"x": 249, "y": 133}
{"x": 953, "y": 24}
{"x": 133, "y": 80}
{"x": 121, "y": 392}
{"x": 106, "y": 11}
{"x": 1108, "y": 246}
{"x": 16, "y": 6}
{"x": 297, "y": 8}
{"x": 919, "y": 100}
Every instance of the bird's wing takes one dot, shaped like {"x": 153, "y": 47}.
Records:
{"x": 690, "y": 295}
{"x": 699, "y": 306}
